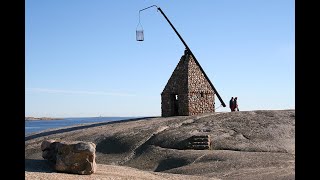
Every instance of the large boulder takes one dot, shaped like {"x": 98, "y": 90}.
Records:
{"x": 75, "y": 157}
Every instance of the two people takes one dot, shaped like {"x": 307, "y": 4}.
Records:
{"x": 233, "y": 104}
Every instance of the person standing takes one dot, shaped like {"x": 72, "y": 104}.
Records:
{"x": 236, "y": 108}
{"x": 231, "y": 104}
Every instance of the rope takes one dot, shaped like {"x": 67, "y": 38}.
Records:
{"x": 139, "y": 25}
{"x": 143, "y": 10}
{"x": 218, "y": 107}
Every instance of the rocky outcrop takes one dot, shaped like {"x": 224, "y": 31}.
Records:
{"x": 75, "y": 157}
{"x": 243, "y": 145}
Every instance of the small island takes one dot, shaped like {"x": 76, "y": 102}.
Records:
{"x": 41, "y": 118}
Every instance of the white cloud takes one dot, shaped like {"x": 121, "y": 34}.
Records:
{"x": 59, "y": 91}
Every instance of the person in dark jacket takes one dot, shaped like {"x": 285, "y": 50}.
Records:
{"x": 236, "y": 108}
{"x": 231, "y": 104}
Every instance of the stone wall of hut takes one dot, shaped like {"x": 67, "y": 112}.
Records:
{"x": 177, "y": 85}
{"x": 200, "y": 93}
{"x": 195, "y": 95}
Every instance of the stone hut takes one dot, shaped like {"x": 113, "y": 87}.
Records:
{"x": 188, "y": 91}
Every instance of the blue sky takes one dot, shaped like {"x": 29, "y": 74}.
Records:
{"x": 82, "y": 58}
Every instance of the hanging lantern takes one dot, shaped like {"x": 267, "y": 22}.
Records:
{"x": 139, "y": 31}
{"x": 139, "y": 35}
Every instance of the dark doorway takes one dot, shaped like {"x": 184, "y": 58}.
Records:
{"x": 175, "y": 104}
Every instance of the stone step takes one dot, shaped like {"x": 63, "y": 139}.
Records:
{"x": 198, "y": 140}
{"x": 200, "y": 147}
{"x": 200, "y": 143}
{"x": 200, "y": 136}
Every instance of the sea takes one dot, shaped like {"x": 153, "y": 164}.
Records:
{"x": 35, "y": 126}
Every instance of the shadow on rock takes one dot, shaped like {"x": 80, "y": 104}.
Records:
{"x": 36, "y": 165}
{"x": 112, "y": 145}
{"x": 171, "y": 163}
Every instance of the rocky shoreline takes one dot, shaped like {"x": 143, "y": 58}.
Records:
{"x": 41, "y": 118}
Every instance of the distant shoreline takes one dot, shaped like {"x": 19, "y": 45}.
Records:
{"x": 41, "y": 118}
